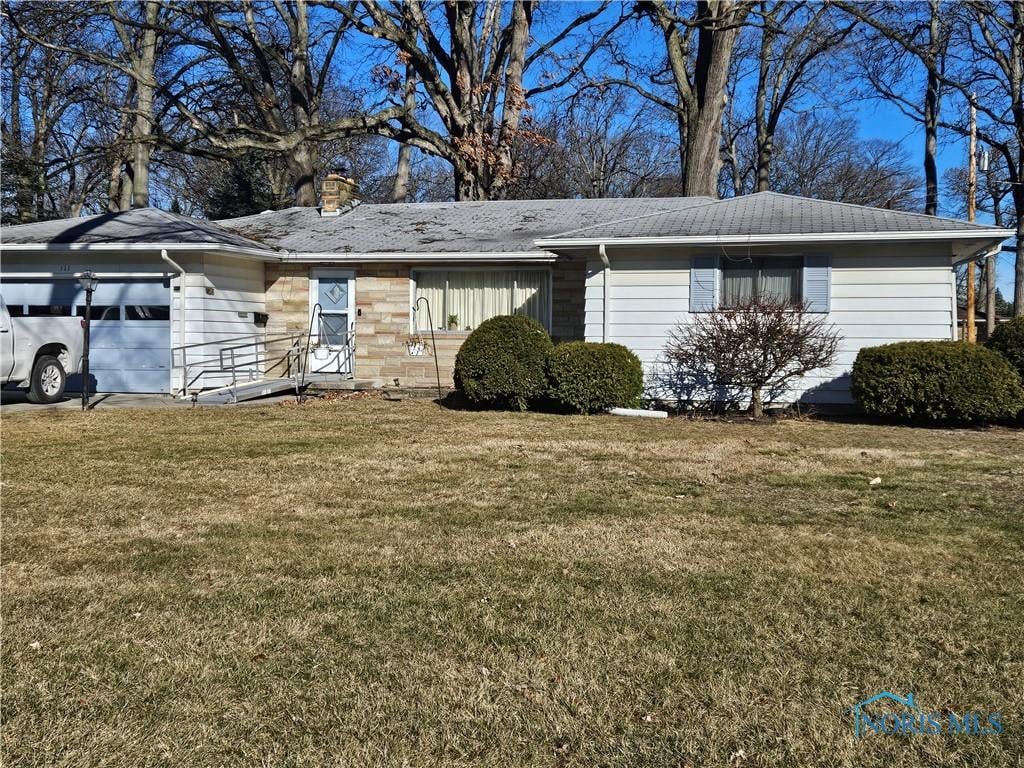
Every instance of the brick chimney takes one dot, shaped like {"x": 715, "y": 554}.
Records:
{"x": 338, "y": 189}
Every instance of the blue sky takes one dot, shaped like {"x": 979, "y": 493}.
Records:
{"x": 885, "y": 121}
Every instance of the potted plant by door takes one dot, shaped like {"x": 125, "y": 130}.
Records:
{"x": 453, "y": 322}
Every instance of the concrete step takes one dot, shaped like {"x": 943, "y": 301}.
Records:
{"x": 327, "y": 382}
{"x": 244, "y": 390}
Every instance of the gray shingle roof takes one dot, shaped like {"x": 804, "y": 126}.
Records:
{"x": 499, "y": 226}
{"x": 769, "y": 213}
{"x": 139, "y": 225}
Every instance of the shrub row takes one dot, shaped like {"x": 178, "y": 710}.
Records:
{"x": 936, "y": 381}
{"x": 1008, "y": 340}
{"x": 510, "y": 361}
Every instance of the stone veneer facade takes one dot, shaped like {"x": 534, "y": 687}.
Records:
{"x": 383, "y": 309}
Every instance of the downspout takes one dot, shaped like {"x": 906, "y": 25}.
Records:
{"x": 603, "y": 253}
{"x": 181, "y": 312}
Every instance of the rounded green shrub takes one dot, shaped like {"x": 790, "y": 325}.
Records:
{"x": 502, "y": 362}
{"x": 936, "y": 381}
{"x": 1008, "y": 340}
{"x": 589, "y": 378}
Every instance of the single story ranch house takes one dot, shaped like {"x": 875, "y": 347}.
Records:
{"x": 186, "y": 305}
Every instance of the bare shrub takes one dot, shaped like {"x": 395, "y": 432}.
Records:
{"x": 754, "y": 348}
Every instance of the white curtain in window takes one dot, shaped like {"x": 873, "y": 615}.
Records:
{"x": 531, "y": 296}
{"x": 476, "y": 296}
{"x": 780, "y": 279}
{"x": 737, "y": 285}
{"x": 430, "y": 285}
{"x": 777, "y": 284}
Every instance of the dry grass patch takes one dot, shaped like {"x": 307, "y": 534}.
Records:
{"x": 376, "y": 583}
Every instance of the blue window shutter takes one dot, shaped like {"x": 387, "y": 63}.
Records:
{"x": 704, "y": 284}
{"x": 817, "y": 288}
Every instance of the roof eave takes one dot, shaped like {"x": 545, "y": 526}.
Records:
{"x": 230, "y": 250}
{"x": 413, "y": 258}
{"x": 995, "y": 235}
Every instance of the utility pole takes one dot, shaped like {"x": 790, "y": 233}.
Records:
{"x": 972, "y": 190}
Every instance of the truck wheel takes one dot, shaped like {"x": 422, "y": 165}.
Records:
{"x": 48, "y": 380}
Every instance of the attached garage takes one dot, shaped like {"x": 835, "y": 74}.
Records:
{"x": 165, "y": 281}
{"x": 130, "y": 349}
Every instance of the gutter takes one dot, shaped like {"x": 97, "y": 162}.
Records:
{"x": 181, "y": 307}
{"x": 230, "y": 250}
{"x": 826, "y": 237}
{"x": 542, "y": 257}
{"x": 605, "y": 279}
{"x": 978, "y": 255}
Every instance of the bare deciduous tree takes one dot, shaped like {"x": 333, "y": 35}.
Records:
{"x": 599, "y": 145}
{"x": 759, "y": 347}
{"x": 272, "y": 66}
{"x": 119, "y": 38}
{"x": 821, "y": 156}
{"x": 55, "y": 149}
{"x": 699, "y": 74}
{"x": 795, "y": 36}
{"x": 470, "y": 59}
{"x": 898, "y": 35}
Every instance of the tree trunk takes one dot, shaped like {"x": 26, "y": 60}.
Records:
{"x": 403, "y": 172}
{"x": 756, "y": 403}
{"x": 764, "y": 163}
{"x": 144, "y": 67}
{"x": 302, "y": 168}
{"x": 140, "y": 162}
{"x": 127, "y": 188}
{"x": 24, "y": 184}
{"x": 114, "y": 187}
{"x": 932, "y": 96}
{"x": 715, "y": 41}
{"x": 931, "y": 131}
{"x": 468, "y": 186}
{"x": 681, "y": 124}
{"x": 763, "y": 138}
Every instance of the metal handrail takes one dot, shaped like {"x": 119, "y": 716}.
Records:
{"x": 250, "y": 356}
{"x": 348, "y": 346}
{"x": 317, "y": 309}
{"x": 231, "y": 365}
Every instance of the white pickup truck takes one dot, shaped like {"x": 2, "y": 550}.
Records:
{"x": 39, "y": 353}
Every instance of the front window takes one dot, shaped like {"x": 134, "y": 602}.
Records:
{"x": 768, "y": 278}
{"x": 462, "y": 299}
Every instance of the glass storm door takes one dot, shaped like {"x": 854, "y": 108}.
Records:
{"x": 334, "y": 324}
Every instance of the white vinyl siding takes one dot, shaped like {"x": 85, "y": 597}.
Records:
{"x": 648, "y": 296}
{"x": 222, "y": 295}
{"x": 880, "y": 294}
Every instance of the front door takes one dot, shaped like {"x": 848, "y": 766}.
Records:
{"x": 333, "y": 342}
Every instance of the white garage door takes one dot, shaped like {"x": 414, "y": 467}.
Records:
{"x": 130, "y": 331}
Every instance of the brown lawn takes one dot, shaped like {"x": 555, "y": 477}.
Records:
{"x": 377, "y": 583}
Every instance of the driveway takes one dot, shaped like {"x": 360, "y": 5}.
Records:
{"x": 14, "y": 401}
